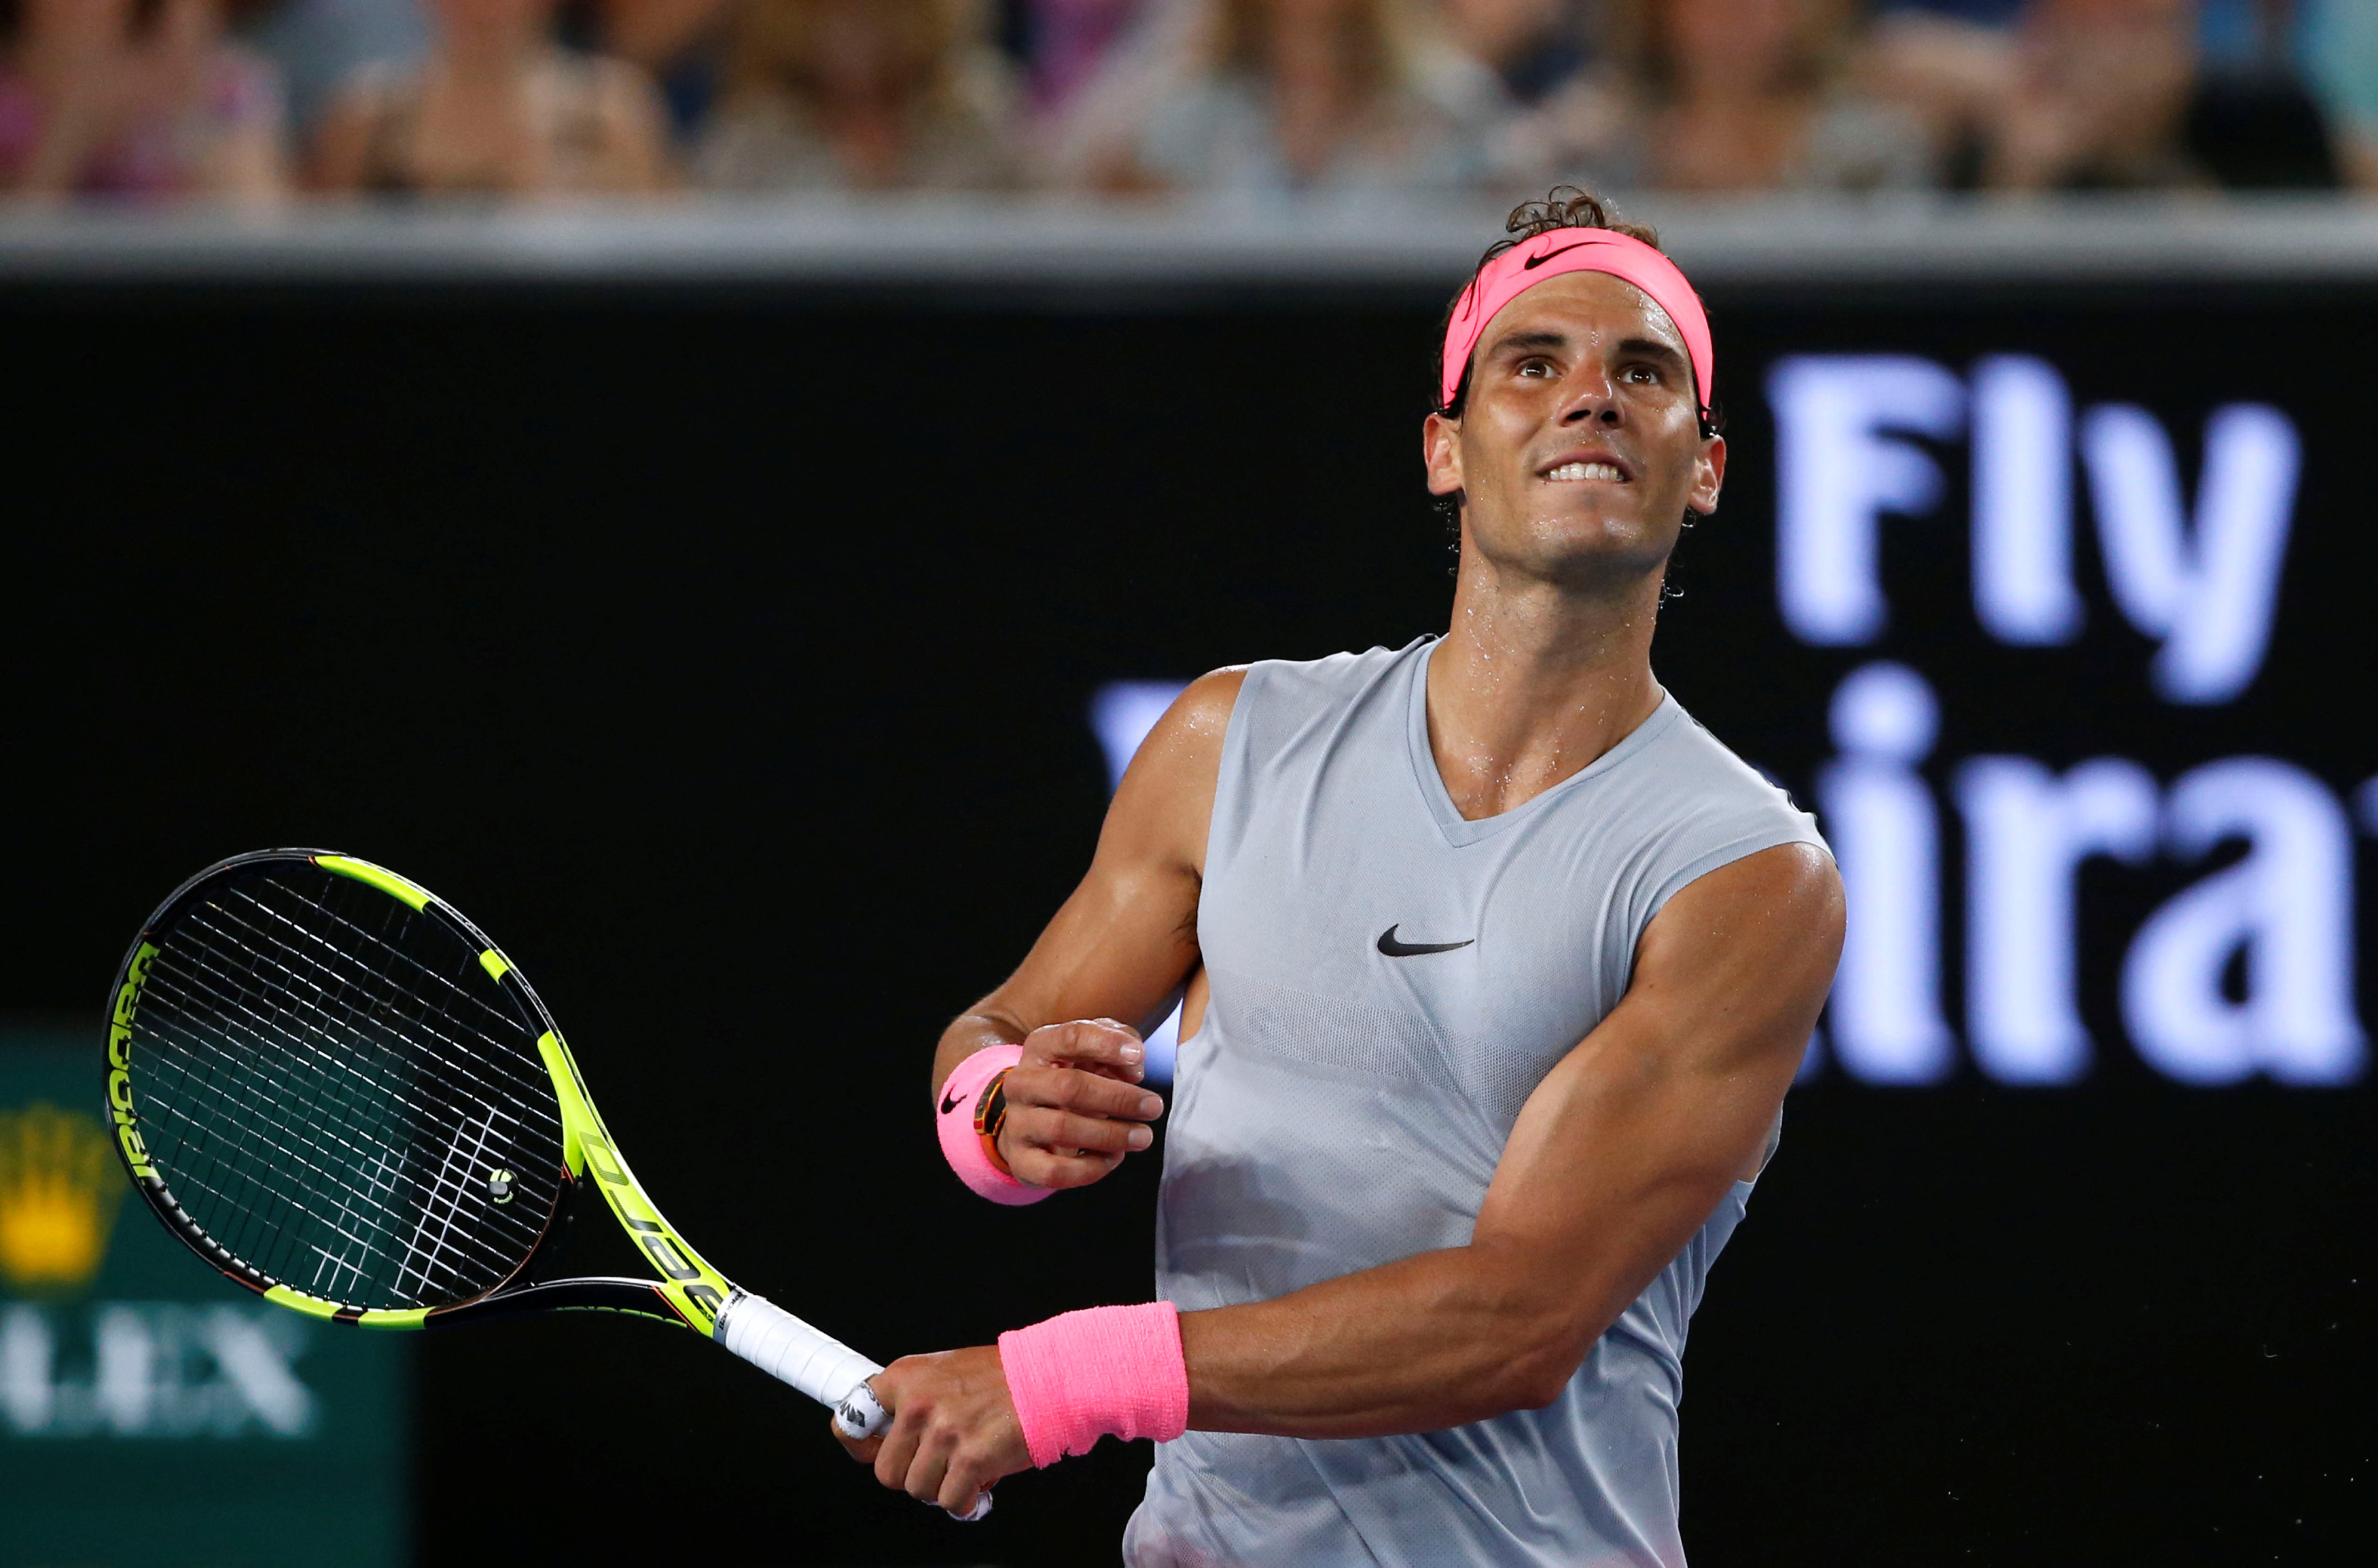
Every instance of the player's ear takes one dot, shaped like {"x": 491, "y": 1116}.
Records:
{"x": 1440, "y": 453}
{"x": 1709, "y": 476}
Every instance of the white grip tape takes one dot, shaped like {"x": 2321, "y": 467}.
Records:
{"x": 818, "y": 1364}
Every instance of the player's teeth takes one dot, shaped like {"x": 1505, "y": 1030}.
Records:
{"x": 1586, "y": 470}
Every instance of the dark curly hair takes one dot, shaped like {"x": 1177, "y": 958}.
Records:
{"x": 1567, "y": 206}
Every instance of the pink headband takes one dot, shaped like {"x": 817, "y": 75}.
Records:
{"x": 1556, "y": 251}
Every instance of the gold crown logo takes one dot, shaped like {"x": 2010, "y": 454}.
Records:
{"x": 59, "y": 1188}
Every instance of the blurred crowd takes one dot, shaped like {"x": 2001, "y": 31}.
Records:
{"x": 260, "y": 101}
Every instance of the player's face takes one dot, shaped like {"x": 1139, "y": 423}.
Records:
{"x": 1579, "y": 449}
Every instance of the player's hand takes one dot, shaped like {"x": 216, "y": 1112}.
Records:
{"x": 954, "y": 1429}
{"x": 1075, "y": 1107}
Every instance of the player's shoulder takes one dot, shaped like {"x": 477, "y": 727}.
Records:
{"x": 1693, "y": 744}
{"x": 1185, "y": 743}
{"x": 1205, "y": 705}
{"x": 1282, "y": 689}
{"x": 1696, "y": 775}
{"x": 1337, "y": 678}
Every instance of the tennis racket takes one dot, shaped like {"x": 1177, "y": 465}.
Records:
{"x": 338, "y": 1092}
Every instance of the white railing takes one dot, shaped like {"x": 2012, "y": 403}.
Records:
{"x": 1374, "y": 241}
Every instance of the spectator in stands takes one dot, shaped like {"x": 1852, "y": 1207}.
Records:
{"x": 2117, "y": 94}
{"x": 496, "y": 108}
{"x": 2099, "y": 98}
{"x": 1092, "y": 68}
{"x": 1949, "y": 65}
{"x": 2340, "y": 46}
{"x": 1534, "y": 45}
{"x": 683, "y": 43}
{"x": 1972, "y": 13}
{"x": 1570, "y": 68}
{"x": 1756, "y": 95}
{"x": 2255, "y": 120}
{"x": 1277, "y": 95}
{"x": 317, "y": 44}
{"x": 861, "y": 95}
{"x": 1062, "y": 44}
{"x": 139, "y": 98}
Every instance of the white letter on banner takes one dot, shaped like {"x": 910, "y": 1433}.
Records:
{"x": 27, "y": 1354}
{"x": 123, "y": 1384}
{"x": 2026, "y": 834}
{"x": 2022, "y": 502}
{"x": 257, "y": 1351}
{"x": 1837, "y": 472}
{"x": 1887, "y": 1026}
{"x": 2209, "y": 597}
{"x": 2288, "y": 905}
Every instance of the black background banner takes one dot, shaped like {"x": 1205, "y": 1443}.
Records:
{"x": 727, "y": 656}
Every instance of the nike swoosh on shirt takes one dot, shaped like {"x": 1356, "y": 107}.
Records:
{"x": 1394, "y": 949}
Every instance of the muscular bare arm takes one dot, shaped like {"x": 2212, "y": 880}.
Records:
{"x": 1118, "y": 949}
{"x": 1618, "y": 1157}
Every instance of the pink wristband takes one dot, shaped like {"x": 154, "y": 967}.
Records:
{"x": 960, "y": 1145}
{"x": 1082, "y": 1375}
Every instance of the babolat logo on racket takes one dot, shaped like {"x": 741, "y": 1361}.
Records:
{"x": 662, "y": 1249}
{"x": 602, "y": 1162}
{"x": 119, "y": 1063}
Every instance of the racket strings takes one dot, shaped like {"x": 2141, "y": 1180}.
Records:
{"x": 241, "y": 1154}
{"x": 284, "y": 1137}
{"x": 262, "y": 1158}
{"x": 501, "y": 1097}
{"x": 308, "y": 1052}
{"x": 507, "y": 1025}
{"x": 330, "y": 984}
{"x": 461, "y": 1058}
{"x": 329, "y": 1097}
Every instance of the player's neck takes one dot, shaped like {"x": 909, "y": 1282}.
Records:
{"x": 1533, "y": 682}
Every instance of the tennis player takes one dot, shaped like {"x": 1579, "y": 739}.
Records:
{"x": 1497, "y": 966}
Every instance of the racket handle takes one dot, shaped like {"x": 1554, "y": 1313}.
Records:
{"x": 818, "y": 1364}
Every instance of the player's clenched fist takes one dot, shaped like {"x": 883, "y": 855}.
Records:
{"x": 1075, "y": 1105}
{"x": 954, "y": 1429}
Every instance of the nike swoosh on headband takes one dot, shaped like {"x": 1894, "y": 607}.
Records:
{"x": 1394, "y": 949}
{"x": 1532, "y": 263}
{"x": 949, "y": 1104}
{"x": 1513, "y": 272}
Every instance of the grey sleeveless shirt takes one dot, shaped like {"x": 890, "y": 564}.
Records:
{"x": 1347, "y": 1098}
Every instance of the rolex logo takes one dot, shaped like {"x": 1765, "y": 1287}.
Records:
{"x": 59, "y": 1188}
